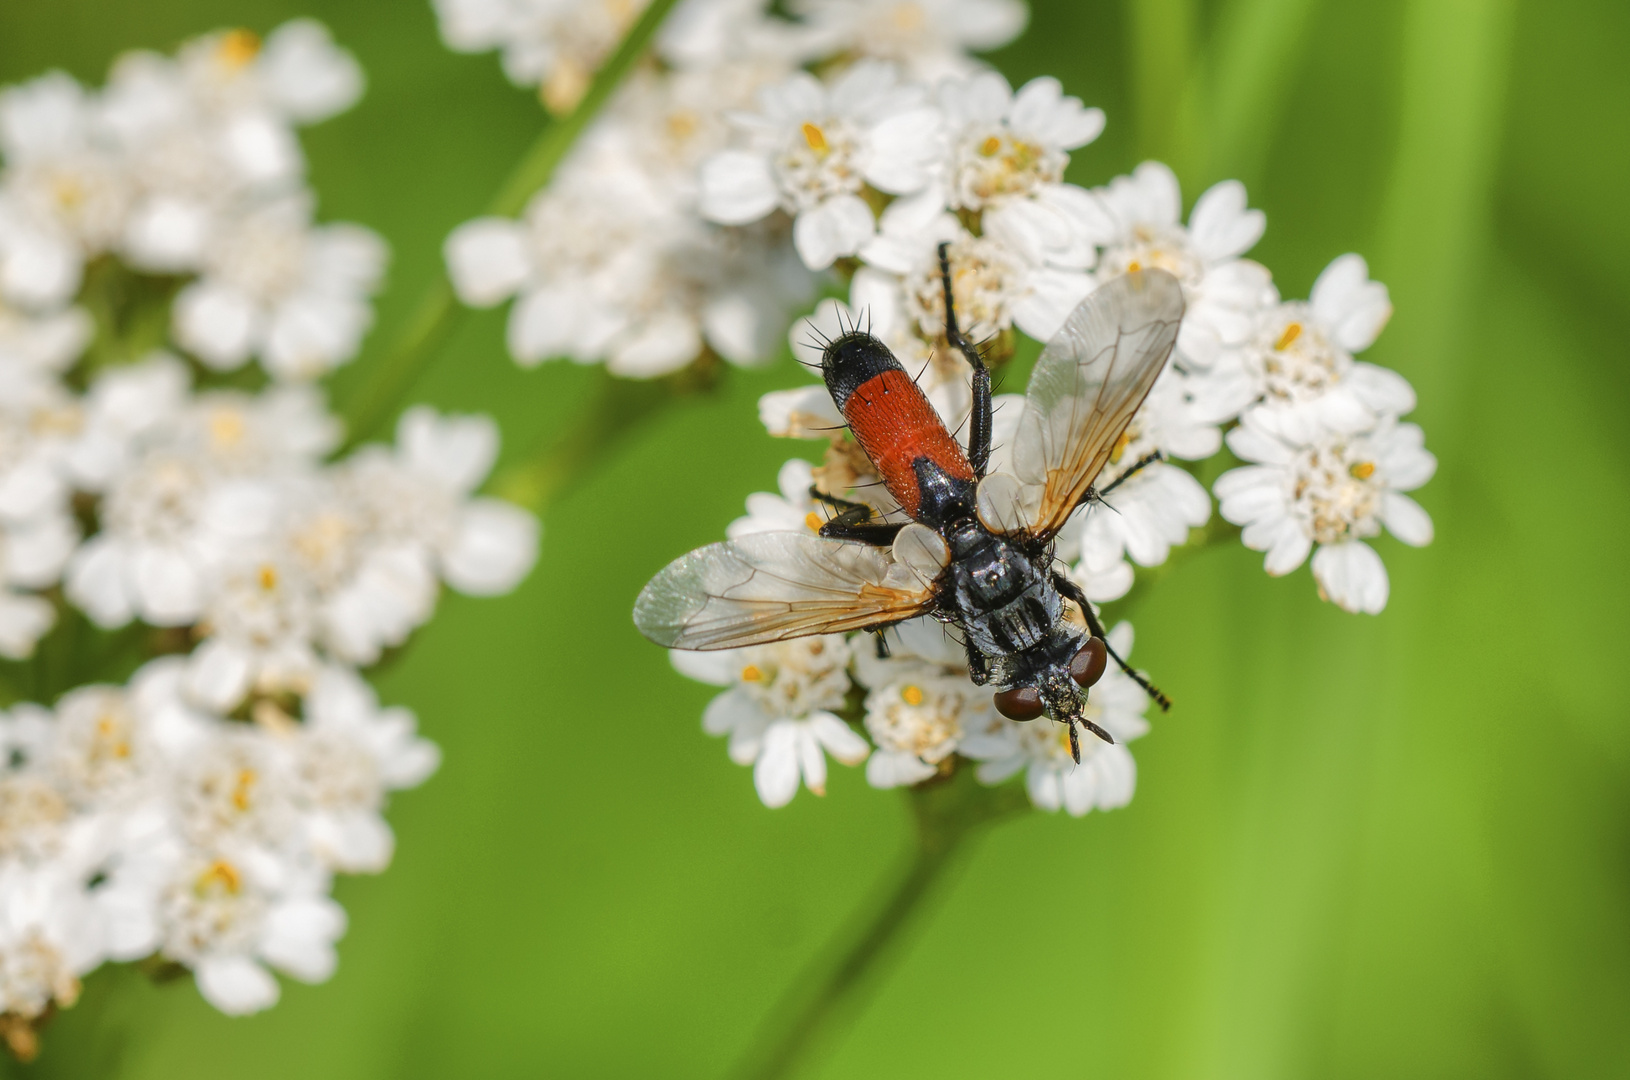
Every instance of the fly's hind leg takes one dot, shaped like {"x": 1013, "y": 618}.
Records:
{"x": 979, "y": 426}
{"x": 1071, "y": 591}
{"x": 854, "y": 522}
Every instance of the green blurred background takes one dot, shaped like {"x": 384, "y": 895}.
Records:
{"x": 1361, "y": 847}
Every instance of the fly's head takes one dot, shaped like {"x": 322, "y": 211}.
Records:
{"x": 1060, "y": 689}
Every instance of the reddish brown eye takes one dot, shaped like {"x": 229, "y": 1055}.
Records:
{"x": 1019, "y": 703}
{"x": 1087, "y": 666}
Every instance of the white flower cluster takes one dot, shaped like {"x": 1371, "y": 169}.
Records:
{"x": 189, "y": 165}
{"x": 873, "y": 167}
{"x": 659, "y": 241}
{"x": 155, "y": 508}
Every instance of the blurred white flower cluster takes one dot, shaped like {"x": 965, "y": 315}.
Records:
{"x": 757, "y": 158}
{"x": 189, "y": 584}
{"x": 660, "y": 240}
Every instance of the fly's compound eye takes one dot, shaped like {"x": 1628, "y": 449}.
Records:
{"x": 1019, "y": 703}
{"x": 1087, "y": 665}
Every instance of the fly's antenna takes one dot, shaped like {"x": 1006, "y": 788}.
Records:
{"x": 1136, "y": 676}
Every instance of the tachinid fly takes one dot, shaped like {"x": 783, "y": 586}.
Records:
{"x": 978, "y": 551}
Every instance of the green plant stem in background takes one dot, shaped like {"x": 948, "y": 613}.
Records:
{"x": 374, "y": 402}
{"x": 617, "y": 407}
{"x": 820, "y": 1004}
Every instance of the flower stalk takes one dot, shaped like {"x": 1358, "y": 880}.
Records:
{"x": 373, "y": 403}
{"x": 946, "y": 814}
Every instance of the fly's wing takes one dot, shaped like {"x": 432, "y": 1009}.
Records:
{"x": 1090, "y": 380}
{"x": 772, "y": 586}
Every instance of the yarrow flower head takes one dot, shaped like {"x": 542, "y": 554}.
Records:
{"x": 778, "y": 711}
{"x": 197, "y": 812}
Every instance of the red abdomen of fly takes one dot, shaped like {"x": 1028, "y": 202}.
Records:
{"x": 891, "y": 418}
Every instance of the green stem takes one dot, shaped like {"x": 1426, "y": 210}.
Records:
{"x": 617, "y": 407}
{"x": 947, "y": 813}
{"x": 376, "y": 400}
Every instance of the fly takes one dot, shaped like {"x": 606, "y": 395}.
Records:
{"x": 978, "y": 550}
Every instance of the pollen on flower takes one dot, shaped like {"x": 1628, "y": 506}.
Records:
{"x": 751, "y": 673}
{"x": 1338, "y": 498}
{"x": 816, "y": 138}
{"x": 1362, "y": 470}
{"x": 1291, "y": 332}
{"x": 237, "y": 48}
{"x": 912, "y": 695}
{"x": 241, "y": 791}
{"x": 813, "y": 521}
{"x": 219, "y": 877}
{"x": 267, "y": 577}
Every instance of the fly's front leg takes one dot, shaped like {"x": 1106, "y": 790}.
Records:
{"x": 978, "y": 665}
{"x": 979, "y": 426}
{"x": 1071, "y": 591}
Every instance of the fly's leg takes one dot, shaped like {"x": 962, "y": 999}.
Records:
{"x": 854, "y": 522}
{"x": 978, "y": 665}
{"x": 882, "y": 641}
{"x": 1137, "y": 466}
{"x": 1094, "y": 494}
{"x": 875, "y": 533}
{"x": 979, "y": 427}
{"x": 1071, "y": 591}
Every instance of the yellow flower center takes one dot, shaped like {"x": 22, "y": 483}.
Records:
{"x": 816, "y": 138}
{"x": 220, "y": 876}
{"x": 268, "y": 578}
{"x": 238, "y": 48}
{"x": 1292, "y": 332}
{"x": 240, "y": 793}
{"x": 912, "y": 695}
{"x": 989, "y": 147}
{"x": 1362, "y": 470}
{"x": 813, "y": 520}
{"x": 751, "y": 673}
{"x": 226, "y": 427}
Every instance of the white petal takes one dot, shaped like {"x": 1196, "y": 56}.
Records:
{"x": 236, "y": 985}
{"x": 218, "y": 674}
{"x": 97, "y": 583}
{"x": 217, "y": 324}
{"x": 775, "y": 774}
{"x": 300, "y": 937}
{"x": 837, "y": 227}
{"x": 1405, "y": 519}
{"x": 840, "y": 740}
{"x": 738, "y": 187}
{"x": 1352, "y": 576}
{"x": 23, "y": 621}
{"x": 1221, "y": 226}
{"x": 1352, "y": 308}
{"x": 494, "y": 548}
{"x": 306, "y": 74}
{"x": 487, "y": 260}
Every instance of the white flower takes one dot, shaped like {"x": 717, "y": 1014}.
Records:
{"x": 793, "y": 510}
{"x": 346, "y": 755}
{"x": 994, "y": 283}
{"x": 1107, "y": 774}
{"x": 920, "y": 701}
{"x": 778, "y": 710}
{"x": 812, "y": 149}
{"x": 277, "y": 287}
{"x": 1299, "y": 364}
{"x": 196, "y": 492}
{"x": 558, "y": 43}
{"x": 929, "y": 37}
{"x": 1336, "y": 492}
{"x": 297, "y": 74}
{"x": 418, "y": 521}
{"x": 1225, "y": 294}
{"x": 1154, "y": 508}
{"x": 226, "y": 914}
{"x": 49, "y": 936}
{"x": 606, "y": 268}
{"x": 64, "y": 194}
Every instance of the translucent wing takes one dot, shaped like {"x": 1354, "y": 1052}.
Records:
{"x": 772, "y": 586}
{"x": 1089, "y": 382}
